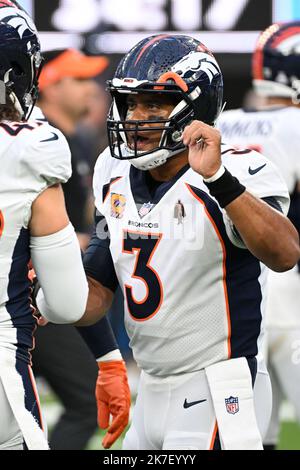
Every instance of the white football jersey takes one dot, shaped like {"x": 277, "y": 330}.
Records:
{"x": 275, "y": 132}
{"x": 33, "y": 156}
{"x": 193, "y": 294}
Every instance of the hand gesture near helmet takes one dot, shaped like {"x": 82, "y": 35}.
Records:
{"x": 204, "y": 144}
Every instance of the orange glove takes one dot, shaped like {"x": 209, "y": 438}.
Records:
{"x": 113, "y": 398}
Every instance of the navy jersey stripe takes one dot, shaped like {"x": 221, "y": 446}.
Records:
{"x": 97, "y": 259}
{"x": 107, "y": 186}
{"x": 140, "y": 187}
{"x": 30, "y": 398}
{"x": 243, "y": 287}
{"x": 18, "y": 291}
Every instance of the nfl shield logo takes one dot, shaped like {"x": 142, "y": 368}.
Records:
{"x": 145, "y": 209}
{"x": 232, "y": 405}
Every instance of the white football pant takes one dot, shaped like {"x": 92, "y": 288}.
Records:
{"x": 177, "y": 413}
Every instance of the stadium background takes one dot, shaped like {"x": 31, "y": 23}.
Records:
{"x": 110, "y": 27}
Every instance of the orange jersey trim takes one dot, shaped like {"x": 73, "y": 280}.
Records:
{"x": 223, "y": 265}
{"x": 108, "y": 191}
{"x": 1, "y": 223}
{"x": 148, "y": 44}
{"x": 36, "y": 395}
{"x": 213, "y": 439}
{"x": 137, "y": 251}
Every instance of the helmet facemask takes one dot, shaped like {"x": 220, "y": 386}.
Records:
{"x": 119, "y": 127}
{"x": 176, "y": 66}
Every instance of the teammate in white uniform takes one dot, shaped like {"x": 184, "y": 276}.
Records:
{"x": 34, "y": 159}
{"x": 193, "y": 285}
{"x": 274, "y": 130}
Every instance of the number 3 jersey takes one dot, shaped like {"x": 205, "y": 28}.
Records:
{"x": 193, "y": 294}
{"x": 33, "y": 156}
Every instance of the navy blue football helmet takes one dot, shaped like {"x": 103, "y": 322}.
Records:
{"x": 177, "y": 65}
{"x": 20, "y": 57}
{"x": 276, "y": 62}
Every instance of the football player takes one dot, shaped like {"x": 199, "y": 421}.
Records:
{"x": 35, "y": 159}
{"x": 273, "y": 129}
{"x": 194, "y": 283}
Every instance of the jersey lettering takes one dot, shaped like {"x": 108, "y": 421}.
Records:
{"x": 16, "y": 128}
{"x": 144, "y": 246}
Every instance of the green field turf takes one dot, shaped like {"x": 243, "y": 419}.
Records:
{"x": 289, "y": 438}
{"x": 289, "y": 433}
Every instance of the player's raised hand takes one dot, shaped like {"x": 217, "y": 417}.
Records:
{"x": 204, "y": 143}
{"x": 113, "y": 398}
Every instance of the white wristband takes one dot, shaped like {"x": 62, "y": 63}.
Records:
{"x": 216, "y": 176}
{"x": 114, "y": 355}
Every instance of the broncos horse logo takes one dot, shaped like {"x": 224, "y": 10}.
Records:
{"x": 194, "y": 63}
{"x": 14, "y": 15}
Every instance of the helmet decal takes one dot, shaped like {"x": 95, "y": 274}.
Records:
{"x": 276, "y": 61}
{"x": 148, "y": 44}
{"x": 20, "y": 57}
{"x": 18, "y": 20}
{"x": 194, "y": 63}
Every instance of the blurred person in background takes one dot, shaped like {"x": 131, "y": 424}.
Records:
{"x": 270, "y": 124}
{"x": 61, "y": 356}
{"x": 67, "y": 91}
{"x": 92, "y": 127}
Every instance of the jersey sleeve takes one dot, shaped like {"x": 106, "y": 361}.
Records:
{"x": 101, "y": 172}
{"x": 290, "y": 136}
{"x": 45, "y": 160}
{"x": 261, "y": 178}
{"x": 97, "y": 260}
{"x": 46, "y": 156}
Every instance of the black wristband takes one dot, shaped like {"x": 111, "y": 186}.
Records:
{"x": 225, "y": 189}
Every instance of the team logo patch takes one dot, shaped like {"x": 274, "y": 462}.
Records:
{"x": 118, "y": 203}
{"x": 145, "y": 209}
{"x": 232, "y": 405}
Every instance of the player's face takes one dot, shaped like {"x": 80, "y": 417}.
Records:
{"x": 147, "y": 107}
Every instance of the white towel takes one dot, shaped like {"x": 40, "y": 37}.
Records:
{"x": 230, "y": 385}
{"x": 14, "y": 389}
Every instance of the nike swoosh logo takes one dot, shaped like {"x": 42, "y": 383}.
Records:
{"x": 256, "y": 170}
{"x": 191, "y": 403}
{"x": 55, "y": 137}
